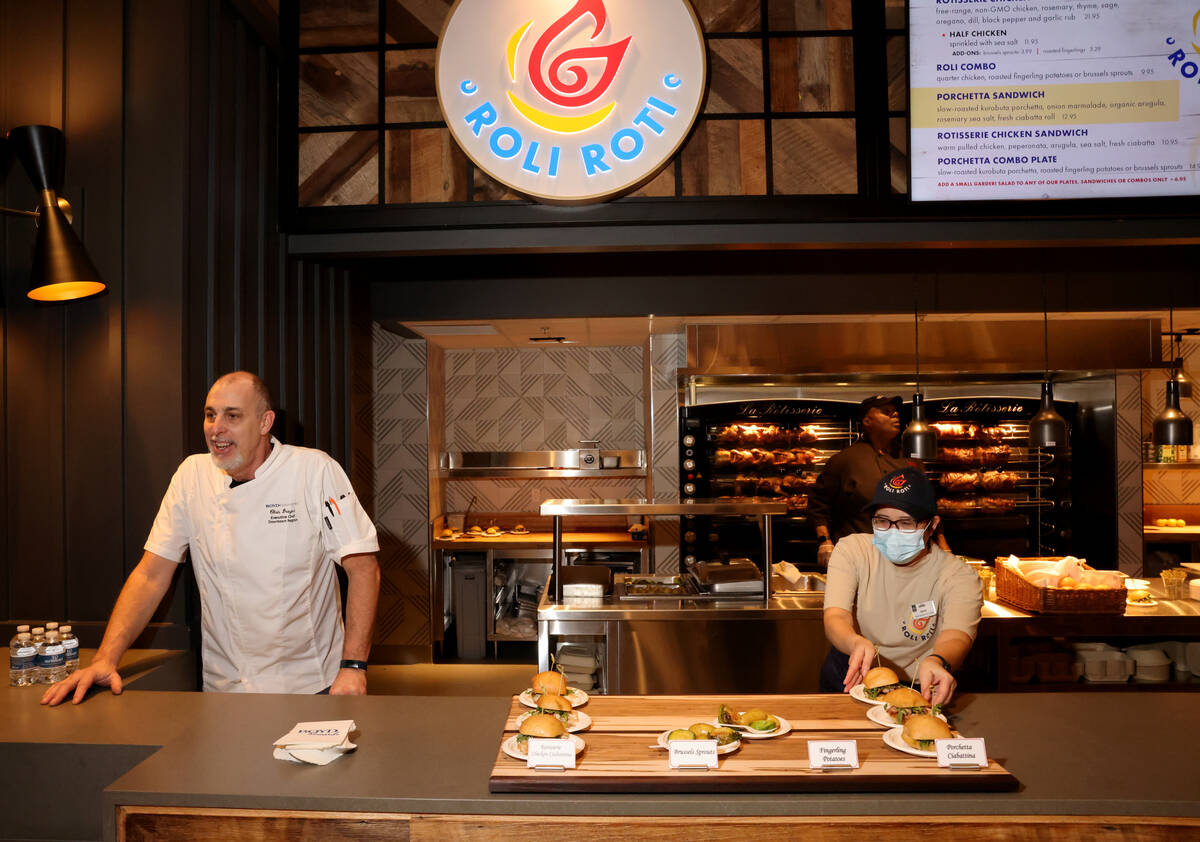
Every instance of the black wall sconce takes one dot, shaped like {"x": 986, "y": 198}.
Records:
{"x": 61, "y": 270}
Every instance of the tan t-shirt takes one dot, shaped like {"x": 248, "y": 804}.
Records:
{"x": 881, "y": 596}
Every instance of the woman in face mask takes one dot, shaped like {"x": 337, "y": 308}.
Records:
{"x": 895, "y": 599}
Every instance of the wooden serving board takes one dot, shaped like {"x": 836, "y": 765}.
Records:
{"x": 619, "y": 756}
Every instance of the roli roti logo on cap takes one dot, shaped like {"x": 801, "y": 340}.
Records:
{"x": 898, "y": 483}
{"x": 571, "y": 100}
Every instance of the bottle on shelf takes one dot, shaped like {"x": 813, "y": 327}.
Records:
{"x": 51, "y": 666}
{"x": 21, "y": 654}
{"x": 70, "y": 649}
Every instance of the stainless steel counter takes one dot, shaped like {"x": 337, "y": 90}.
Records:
{"x": 672, "y": 645}
{"x": 558, "y": 509}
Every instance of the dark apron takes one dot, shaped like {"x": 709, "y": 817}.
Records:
{"x": 833, "y": 671}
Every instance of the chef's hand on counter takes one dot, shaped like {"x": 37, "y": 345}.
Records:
{"x": 100, "y": 671}
{"x": 139, "y": 596}
{"x": 349, "y": 682}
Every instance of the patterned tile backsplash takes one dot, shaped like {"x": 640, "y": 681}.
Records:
{"x": 401, "y": 495}
{"x": 668, "y": 354}
{"x": 544, "y": 399}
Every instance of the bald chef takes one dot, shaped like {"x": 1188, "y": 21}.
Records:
{"x": 264, "y": 524}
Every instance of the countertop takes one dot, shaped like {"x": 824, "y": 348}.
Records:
{"x": 1059, "y": 746}
{"x": 434, "y": 755}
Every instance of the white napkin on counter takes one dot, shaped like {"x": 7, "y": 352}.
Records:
{"x": 316, "y": 742}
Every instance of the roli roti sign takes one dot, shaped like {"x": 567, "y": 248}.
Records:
{"x": 571, "y": 101}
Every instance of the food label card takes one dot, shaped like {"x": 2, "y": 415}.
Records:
{"x": 833, "y": 754}
{"x": 691, "y": 754}
{"x": 961, "y": 753}
{"x": 551, "y": 753}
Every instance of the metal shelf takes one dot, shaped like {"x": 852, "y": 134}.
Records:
{"x": 541, "y": 473}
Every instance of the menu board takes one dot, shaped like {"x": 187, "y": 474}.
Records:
{"x": 1054, "y": 99}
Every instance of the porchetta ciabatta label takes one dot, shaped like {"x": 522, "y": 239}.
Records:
{"x": 833, "y": 754}
{"x": 961, "y": 753}
{"x": 551, "y": 754}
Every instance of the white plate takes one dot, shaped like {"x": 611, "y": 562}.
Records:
{"x": 509, "y": 747}
{"x": 577, "y": 720}
{"x": 1153, "y": 602}
{"x": 575, "y": 696}
{"x": 894, "y": 740}
{"x": 857, "y": 692}
{"x": 725, "y": 749}
{"x": 749, "y": 733}
{"x": 879, "y": 715}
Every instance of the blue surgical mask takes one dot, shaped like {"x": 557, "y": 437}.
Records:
{"x": 899, "y": 547}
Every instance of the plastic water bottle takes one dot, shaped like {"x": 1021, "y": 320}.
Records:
{"x": 51, "y": 665}
{"x": 21, "y": 653}
{"x": 70, "y": 649}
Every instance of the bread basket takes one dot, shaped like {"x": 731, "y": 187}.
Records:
{"x": 1020, "y": 593}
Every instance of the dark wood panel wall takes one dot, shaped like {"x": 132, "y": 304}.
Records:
{"x": 169, "y": 110}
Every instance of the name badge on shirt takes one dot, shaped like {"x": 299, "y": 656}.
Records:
{"x": 921, "y": 610}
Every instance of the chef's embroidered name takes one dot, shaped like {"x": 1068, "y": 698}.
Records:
{"x": 282, "y": 513}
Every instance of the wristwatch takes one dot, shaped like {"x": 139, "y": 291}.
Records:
{"x": 945, "y": 663}
{"x": 354, "y": 665}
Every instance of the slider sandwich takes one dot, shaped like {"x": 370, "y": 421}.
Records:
{"x": 555, "y": 705}
{"x": 550, "y": 681}
{"x": 921, "y": 729}
{"x": 904, "y": 702}
{"x": 540, "y": 726}
{"x": 879, "y": 681}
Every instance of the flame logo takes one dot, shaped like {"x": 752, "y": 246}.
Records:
{"x": 566, "y": 83}
{"x": 572, "y": 92}
{"x": 898, "y": 481}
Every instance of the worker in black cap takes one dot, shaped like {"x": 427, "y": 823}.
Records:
{"x": 835, "y": 504}
{"x": 894, "y": 598}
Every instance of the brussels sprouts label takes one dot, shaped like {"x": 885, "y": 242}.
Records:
{"x": 692, "y": 754}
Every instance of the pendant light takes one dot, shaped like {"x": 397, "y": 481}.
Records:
{"x": 1172, "y": 427}
{"x": 920, "y": 440}
{"x": 1047, "y": 428}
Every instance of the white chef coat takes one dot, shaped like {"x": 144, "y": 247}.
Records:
{"x": 263, "y": 554}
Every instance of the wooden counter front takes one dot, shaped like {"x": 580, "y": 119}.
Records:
{"x": 620, "y": 755}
